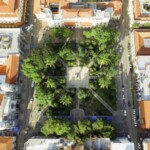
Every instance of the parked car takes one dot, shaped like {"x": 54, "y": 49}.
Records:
{"x": 139, "y": 146}
{"x": 134, "y": 111}
{"x": 32, "y": 84}
{"x": 122, "y": 88}
{"x": 121, "y": 49}
{"x": 124, "y": 104}
{"x": 123, "y": 97}
{"x": 129, "y": 137}
{"x": 125, "y": 113}
{"x": 135, "y": 124}
{"x": 141, "y": 139}
{"x": 129, "y": 103}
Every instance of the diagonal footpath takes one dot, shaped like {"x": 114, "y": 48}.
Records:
{"x": 101, "y": 100}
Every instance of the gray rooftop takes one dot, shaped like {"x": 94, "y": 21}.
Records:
{"x": 9, "y": 41}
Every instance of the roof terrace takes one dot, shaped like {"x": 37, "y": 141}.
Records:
{"x": 9, "y": 41}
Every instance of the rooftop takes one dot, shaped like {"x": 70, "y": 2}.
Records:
{"x": 146, "y": 144}
{"x": 99, "y": 143}
{"x": 145, "y": 113}
{"x": 43, "y": 144}
{"x": 140, "y": 13}
{"x": 72, "y": 13}
{"x": 12, "y": 13}
{"x": 144, "y": 72}
{"x": 141, "y": 39}
{"x": 122, "y": 144}
{"x": 9, "y": 70}
{"x": 9, "y": 41}
{"x": 12, "y": 69}
{"x": 75, "y": 13}
{"x": 6, "y": 143}
{"x": 8, "y": 7}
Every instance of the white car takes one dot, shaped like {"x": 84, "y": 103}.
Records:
{"x": 123, "y": 97}
{"x": 29, "y": 28}
{"x": 139, "y": 146}
{"x": 128, "y": 136}
{"x": 122, "y": 88}
{"x": 134, "y": 111}
{"x": 135, "y": 123}
{"x": 32, "y": 85}
{"x": 125, "y": 113}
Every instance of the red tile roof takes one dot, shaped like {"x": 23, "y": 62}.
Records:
{"x": 85, "y": 24}
{"x": 6, "y": 143}
{"x": 71, "y": 13}
{"x": 145, "y": 113}
{"x": 1, "y": 98}
{"x": 64, "y": 4}
{"x": 2, "y": 70}
{"x": 11, "y": 9}
{"x": 140, "y": 35}
{"x": 12, "y": 69}
{"x": 117, "y": 7}
{"x": 70, "y": 24}
{"x": 137, "y": 14}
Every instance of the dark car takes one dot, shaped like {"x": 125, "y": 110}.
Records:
{"x": 129, "y": 103}
{"x": 124, "y": 104}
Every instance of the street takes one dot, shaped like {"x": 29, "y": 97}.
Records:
{"x": 125, "y": 82}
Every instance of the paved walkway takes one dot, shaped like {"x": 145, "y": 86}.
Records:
{"x": 101, "y": 101}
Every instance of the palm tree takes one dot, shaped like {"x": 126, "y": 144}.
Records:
{"x": 65, "y": 100}
{"x": 51, "y": 83}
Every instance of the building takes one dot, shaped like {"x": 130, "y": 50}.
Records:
{"x": 98, "y": 144}
{"x": 142, "y": 51}
{"x": 121, "y": 144}
{"x": 144, "y": 113}
{"x": 46, "y": 144}
{"x": 58, "y": 144}
{"x": 74, "y": 13}
{"x": 146, "y": 144}
{"x": 12, "y": 13}
{"x": 9, "y": 63}
{"x": 7, "y": 143}
{"x": 141, "y": 10}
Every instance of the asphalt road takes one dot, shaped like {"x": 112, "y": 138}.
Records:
{"x": 125, "y": 78}
{"x": 26, "y": 88}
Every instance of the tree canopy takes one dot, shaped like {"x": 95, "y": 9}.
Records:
{"x": 46, "y": 63}
{"x": 78, "y": 132}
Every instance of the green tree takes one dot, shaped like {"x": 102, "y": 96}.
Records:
{"x": 48, "y": 127}
{"x": 65, "y": 99}
{"x": 81, "y": 94}
{"x": 44, "y": 96}
{"x": 50, "y": 83}
{"x": 108, "y": 130}
{"x": 68, "y": 54}
{"x": 98, "y": 125}
{"x": 54, "y": 126}
{"x": 61, "y": 32}
{"x": 77, "y": 132}
{"x": 135, "y": 25}
{"x": 30, "y": 71}
{"x": 82, "y": 129}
